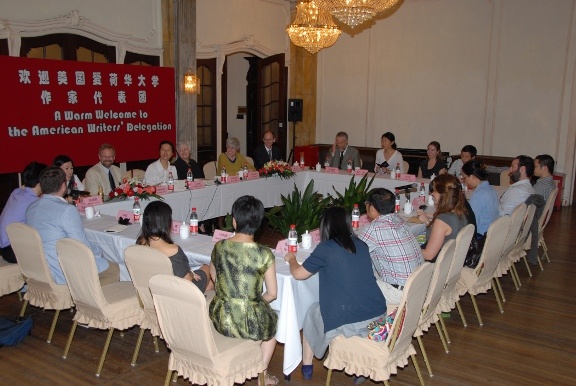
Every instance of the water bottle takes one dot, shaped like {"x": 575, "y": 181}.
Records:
{"x": 397, "y": 202}
{"x": 170, "y": 182}
{"x": 422, "y": 193}
{"x": 397, "y": 170}
{"x": 136, "y": 209}
{"x": 293, "y": 239}
{"x": 193, "y": 222}
{"x": 301, "y": 159}
{"x": 223, "y": 175}
{"x": 245, "y": 170}
{"x": 393, "y": 174}
{"x": 349, "y": 167}
{"x": 189, "y": 178}
{"x": 327, "y": 162}
{"x": 355, "y": 218}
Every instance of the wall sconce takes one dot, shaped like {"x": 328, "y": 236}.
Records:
{"x": 191, "y": 82}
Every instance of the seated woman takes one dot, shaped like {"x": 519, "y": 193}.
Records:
{"x": 449, "y": 217}
{"x": 484, "y": 200}
{"x": 388, "y": 157}
{"x": 72, "y": 181}
{"x": 155, "y": 233}
{"x": 433, "y": 164}
{"x": 158, "y": 171}
{"x": 232, "y": 160}
{"x": 238, "y": 268}
{"x": 349, "y": 295}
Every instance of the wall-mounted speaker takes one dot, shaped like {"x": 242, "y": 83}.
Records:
{"x": 294, "y": 110}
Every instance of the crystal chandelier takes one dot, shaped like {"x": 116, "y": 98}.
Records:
{"x": 355, "y": 12}
{"x": 313, "y": 27}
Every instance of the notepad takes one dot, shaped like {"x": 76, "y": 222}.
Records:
{"x": 116, "y": 228}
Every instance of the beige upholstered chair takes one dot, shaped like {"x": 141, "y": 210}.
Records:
{"x": 42, "y": 290}
{"x": 134, "y": 173}
{"x": 109, "y": 307}
{"x": 379, "y": 360}
{"x": 518, "y": 216}
{"x": 546, "y": 214}
{"x": 250, "y": 160}
{"x": 479, "y": 280}
{"x": 406, "y": 167}
{"x": 144, "y": 262}
{"x": 430, "y": 310}
{"x": 198, "y": 352}
{"x": 209, "y": 170}
{"x": 518, "y": 251}
{"x": 10, "y": 277}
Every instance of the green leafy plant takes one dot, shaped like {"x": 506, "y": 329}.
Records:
{"x": 304, "y": 209}
{"x": 355, "y": 193}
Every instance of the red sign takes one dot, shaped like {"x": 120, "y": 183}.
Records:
{"x": 53, "y": 107}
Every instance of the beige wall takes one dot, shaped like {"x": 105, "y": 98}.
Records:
{"x": 497, "y": 74}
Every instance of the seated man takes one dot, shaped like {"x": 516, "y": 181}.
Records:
{"x": 521, "y": 170}
{"x": 104, "y": 173}
{"x": 467, "y": 153}
{"x": 15, "y": 209}
{"x": 55, "y": 219}
{"x": 393, "y": 248}
{"x": 267, "y": 151}
{"x": 543, "y": 169}
{"x": 341, "y": 153}
{"x": 183, "y": 162}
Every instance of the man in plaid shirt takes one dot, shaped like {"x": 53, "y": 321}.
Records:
{"x": 393, "y": 248}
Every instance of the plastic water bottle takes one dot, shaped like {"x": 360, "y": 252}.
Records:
{"x": 327, "y": 162}
{"x": 422, "y": 193}
{"x": 292, "y": 239}
{"x": 397, "y": 170}
{"x": 245, "y": 170}
{"x": 193, "y": 222}
{"x": 393, "y": 174}
{"x": 349, "y": 167}
{"x": 223, "y": 175}
{"x": 189, "y": 178}
{"x": 136, "y": 209}
{"x": 397, "y": 202}
{"x": 170, "y": 182}
{"x": 301, "y": 159}
{"x": 355, "y": 218}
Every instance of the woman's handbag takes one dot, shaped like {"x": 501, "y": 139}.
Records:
{"x": 475, "y": 251}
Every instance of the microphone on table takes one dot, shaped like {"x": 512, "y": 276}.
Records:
{"x": 409, "y": 186}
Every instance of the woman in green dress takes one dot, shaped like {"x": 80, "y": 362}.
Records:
{"x": 238, "y": 268}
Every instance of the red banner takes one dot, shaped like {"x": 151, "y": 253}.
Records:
{"x": 52, "y": 107}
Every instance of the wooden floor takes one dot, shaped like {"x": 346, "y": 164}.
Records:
{"x": 532, "y": 343}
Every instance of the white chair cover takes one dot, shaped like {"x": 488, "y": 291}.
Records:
{"x": 10, "y": 278}
{"x": 209, "y": 170}
{"x": 378, "y": 360}
{"x": 134, "y": 173}
{"x": 518, "y": 251}
{"x": 198, "y": 352}
{"x": 517, "y": 219}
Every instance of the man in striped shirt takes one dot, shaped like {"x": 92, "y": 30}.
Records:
{"x": 543, "y": 169}
{"x": 393, "y": 248}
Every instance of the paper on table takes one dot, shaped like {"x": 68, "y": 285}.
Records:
{"x": 116, "y": 228}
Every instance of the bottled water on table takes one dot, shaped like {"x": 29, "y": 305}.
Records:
{"x": 193, "y": 222}
{"x": 292, "y": 239}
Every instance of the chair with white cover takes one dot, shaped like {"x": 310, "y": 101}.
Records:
{"x": 209, "y": 170}
{"x": 406, "y": 166}
{"x": 430, "y": 309}
{"x": 197, "y": 351}
{"x": 109, "y": 307}
{"x": 479, "y": 280}
{"x": 134, "y": 173}
{"x": 518, "y": 251}
{"x": 250, "y": 160}
{"x": 518, "y": 216}
{"x": 379, "y": 360}
{"x": 542, "y": 222}
{"x": 11, "y": 279}
{"x": 144, "y": 262}
{"x": 42, "y": 290}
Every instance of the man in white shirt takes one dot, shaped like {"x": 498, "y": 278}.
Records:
{"x": 104, "y": 173}
{"x": 543, "y": 169}
{"x": 521, "y": 170}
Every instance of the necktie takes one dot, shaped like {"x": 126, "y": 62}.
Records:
{"x": 270, "y": 154}
{"x": 341, "y": 159}
{"x": 111, "y": 179}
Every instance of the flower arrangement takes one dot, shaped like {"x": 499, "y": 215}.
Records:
{"x": 276, "y": 168}
{"x": 133, "y": 188}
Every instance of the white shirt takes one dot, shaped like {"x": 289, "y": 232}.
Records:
{"x": 515, "y": 195}
{"x": 392, "y": 161}
{"x": 156, "y": 174}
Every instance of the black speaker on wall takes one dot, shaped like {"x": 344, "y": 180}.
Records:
{"x": 294, "y": 110}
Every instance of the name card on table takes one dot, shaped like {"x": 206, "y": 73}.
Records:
{"x": 233, "y": 179}
{"x": 364, "y": 220}
{"x": 176, "y": 226}
{"x": 162, "y": 190}
{"x": 407, "y": 177}
{"x": 91, "y": 201}
{"x": 332, "y": 170}
{"x": 360, "y": 172}
{"x": 221, "y": 235}
{"x": 295, "y": 169}
{"x": 253, "y": 175}
{"x": 282, "y": 246}
{"x": 125, "y": 214}
{"x": 315, "y": 236}
{"x": 198, "y": 184}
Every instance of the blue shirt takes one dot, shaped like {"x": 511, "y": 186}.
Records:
{"x": 15, "y": 211}
{"x": 55, "y": 219}
{"x": 484, "y": 203}
{"x": 348, "y": 289}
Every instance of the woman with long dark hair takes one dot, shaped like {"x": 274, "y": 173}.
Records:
{"x": 388, "y": 157}
{"x": 433, "y": 164}
{"x": 65, "y": 163}
{"x": 349, "y": 295}
{"x": 155, "y": 233}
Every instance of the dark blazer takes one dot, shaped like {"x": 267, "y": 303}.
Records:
{"x": 261, "y": 155}
{"x": 182, "y": 168}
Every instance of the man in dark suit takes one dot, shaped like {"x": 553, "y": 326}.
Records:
{"x": 267, "y": 151}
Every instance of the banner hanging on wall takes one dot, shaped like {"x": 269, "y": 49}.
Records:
{"x": 52, "y": 107}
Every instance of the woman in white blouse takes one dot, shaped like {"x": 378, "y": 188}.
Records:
{"x": 388, "y": 157}
{"x": 158, "y": 171}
